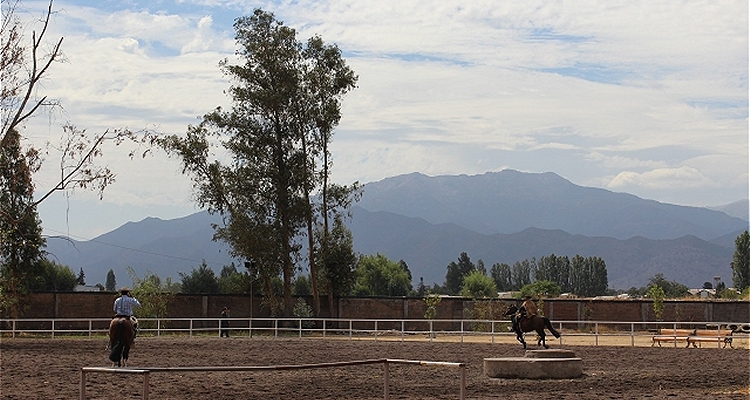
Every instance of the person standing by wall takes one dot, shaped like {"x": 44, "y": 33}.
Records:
{"x": 224, "y": 322}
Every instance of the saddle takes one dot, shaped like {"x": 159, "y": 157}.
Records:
{"x": 132, "y": 320}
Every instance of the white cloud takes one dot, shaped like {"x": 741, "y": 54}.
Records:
{"x": 620, "y": 162}
{"x": 204, "y": 38}
{"x": 637, "y": 96}
{"x": 661, "y": 178}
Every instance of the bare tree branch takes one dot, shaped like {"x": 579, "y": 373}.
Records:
{"x": 13, "y": 60}
{"x": 78, "y": 167}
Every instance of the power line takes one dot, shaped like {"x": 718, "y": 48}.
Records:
{"x": 73, "y": 238}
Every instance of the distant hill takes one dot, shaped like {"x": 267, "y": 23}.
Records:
{"x": 511, "y": 201}
{"x": 154, "y": 246}
{"x": 427, "y": 222}
{"x": 428, "y": 249}
{"x": 737, "y": 209}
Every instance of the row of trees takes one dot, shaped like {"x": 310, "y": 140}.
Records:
{"x": 370, "y": 275}
{"x": 376, "y": 275}
{"x": 580, "y": 276}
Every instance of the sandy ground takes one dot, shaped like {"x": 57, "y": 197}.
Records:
{"x": 33, "y": 368}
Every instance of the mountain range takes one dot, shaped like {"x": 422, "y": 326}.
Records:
{"x": 498, "y": 217}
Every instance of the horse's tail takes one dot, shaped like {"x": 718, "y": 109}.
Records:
{"x": 549, "y": 327}
{"x": 116, "y": 352}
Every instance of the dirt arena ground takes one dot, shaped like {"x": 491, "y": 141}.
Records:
{"x": 50, "y": 369}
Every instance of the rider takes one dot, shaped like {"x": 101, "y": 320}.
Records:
{"x": 124, "y": 305}
{"x": 528, "y": 308}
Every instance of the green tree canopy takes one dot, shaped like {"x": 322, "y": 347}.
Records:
{"x": 588, "y": 276}
{"x": 521, "y": 273}
{"x": 656, "y": 293}
{"x": 456, "y": 272}
{"x": 378, "y": 276}
{"x": 671, "y": 289}
{"x": 301, "y": 286}
{"x": 286, "y": 101}
{"x": 555, "y": 269}
{"x": 53, "y": 278}
{"x": 579, "y": 275}
{"x": 200, "y": 281}
{"x": 337, "y": 260}
{"x": 478, "y": 285}
{"x": 741, "y": 262}
{"x": 541, "y": 289}
{"x": 232, "y": 281}
{"x": 431, "y": 301}
{"x": 153, "y": 295}
{"x": 501, "y": 274}
{"x": 21, "y": 242}
{"x": 111, "y": 283}
{"x": 81, "y": 280}
{"x": 421, "y": 288}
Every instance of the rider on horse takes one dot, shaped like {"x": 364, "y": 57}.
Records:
{"x": 528, "y": 309}
{"x": 527, "y": 319}
{"x": 123, "y": 308}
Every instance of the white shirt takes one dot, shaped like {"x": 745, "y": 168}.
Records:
{"x": 124, "y": 305}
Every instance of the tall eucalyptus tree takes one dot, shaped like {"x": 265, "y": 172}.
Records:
{"x": 273, "y": 158}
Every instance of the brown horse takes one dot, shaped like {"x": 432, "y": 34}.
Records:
{"x": 121, "y": 335}
{"x": 533, "y": 323}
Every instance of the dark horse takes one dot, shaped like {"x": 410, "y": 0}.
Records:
{"x": 120, "y": 340}
{"x": 527, "y": 324}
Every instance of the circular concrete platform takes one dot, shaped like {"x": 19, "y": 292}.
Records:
{"x": 550, "y": 353}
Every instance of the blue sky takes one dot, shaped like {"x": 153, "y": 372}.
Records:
{"x": 649, "y": 98}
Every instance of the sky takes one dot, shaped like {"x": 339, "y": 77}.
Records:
{"x": 643, "y": 97}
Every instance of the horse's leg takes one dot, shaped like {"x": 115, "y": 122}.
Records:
{"x": 118, "y": 343}
{"x": 116, "y": 352}
{"x": 112, "y": 334}
{"x": 519, "y": 332}
{"x": 125, "y": 352}
{"x": 519, "y": 337}
{"x": 128, "y": 337}
{"x": 542, "y": 338}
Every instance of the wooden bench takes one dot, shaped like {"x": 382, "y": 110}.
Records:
{"x": 712, "y": 336}
{"x": 672, "y": 335}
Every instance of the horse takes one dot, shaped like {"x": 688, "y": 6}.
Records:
{"x": 534, "y": 323}
{"x": 121, "y": 335}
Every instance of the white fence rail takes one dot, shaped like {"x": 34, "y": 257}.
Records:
{"x": 593, "y": 332}
{"x": 146, "y": 371}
